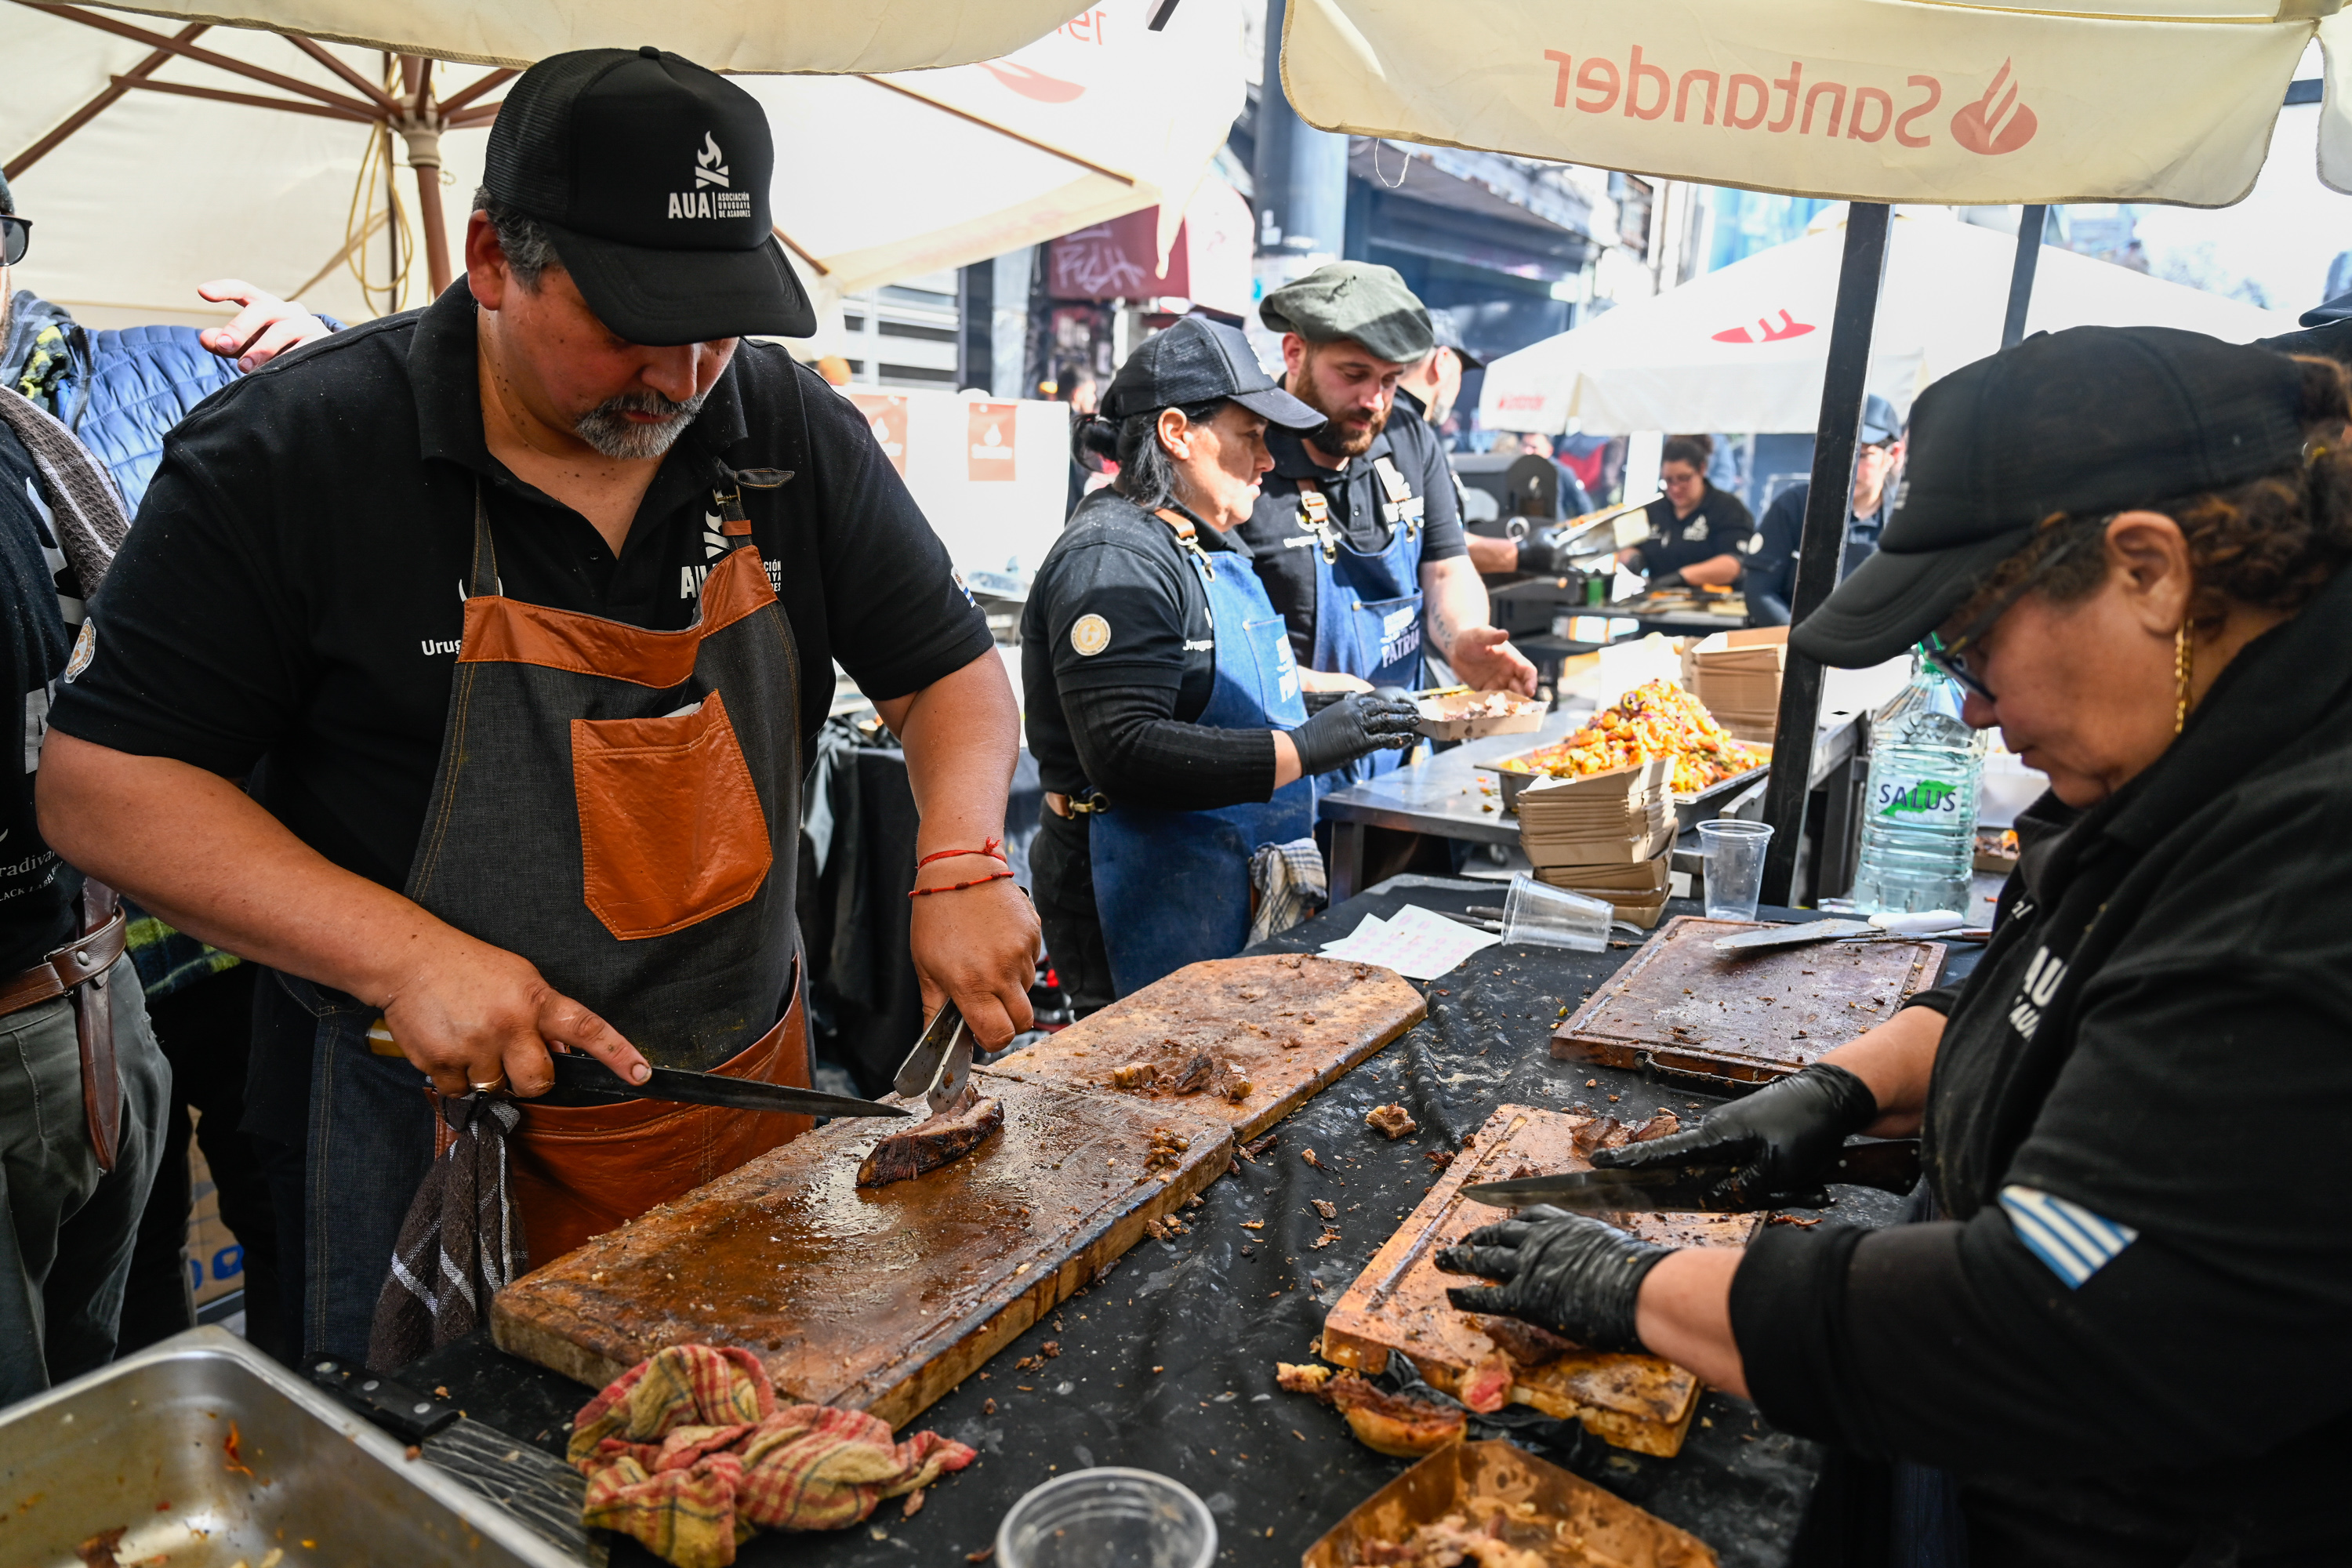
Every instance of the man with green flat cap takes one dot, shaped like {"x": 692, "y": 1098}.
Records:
{"x": 1357, "y": 532}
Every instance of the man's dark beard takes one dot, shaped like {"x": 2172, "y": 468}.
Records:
{"x": 608, "y": 428}
{"x": 1330, "y": 436}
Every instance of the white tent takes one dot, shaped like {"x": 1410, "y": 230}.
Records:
{"x": 1885, "y": 100}
{"x": 190, "y": 169}
{"x": 1746, "y": 348}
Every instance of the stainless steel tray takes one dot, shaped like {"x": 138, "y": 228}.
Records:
{"x": 145, "y": 1445}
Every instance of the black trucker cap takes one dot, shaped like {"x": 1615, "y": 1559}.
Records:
{"x": 1193, "y": 362}
{"x": 650, "y": 175}
{"x": 2084, "y": 422}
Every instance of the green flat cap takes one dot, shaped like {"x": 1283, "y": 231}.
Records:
{"x": 1353, "y": 299}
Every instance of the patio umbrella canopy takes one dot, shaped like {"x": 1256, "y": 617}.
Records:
{"x": 1744, "y": 348}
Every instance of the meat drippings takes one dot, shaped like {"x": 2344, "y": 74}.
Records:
{"x": 928, "y": 1145}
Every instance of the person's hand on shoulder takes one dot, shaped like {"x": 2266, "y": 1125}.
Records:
{"x": 265, "y": 328}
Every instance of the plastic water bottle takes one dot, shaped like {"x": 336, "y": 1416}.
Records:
{"x": 1919, "y": 806}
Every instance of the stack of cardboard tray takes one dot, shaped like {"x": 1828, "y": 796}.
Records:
{"x": 1608, "y": 836}
{"x": 1736, "y": 676}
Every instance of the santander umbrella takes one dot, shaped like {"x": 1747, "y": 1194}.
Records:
{"x": 1743, "y": 348}
{"x": 1871, "y": 101}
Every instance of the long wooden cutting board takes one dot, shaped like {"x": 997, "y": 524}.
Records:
{"x": 1285, "y": 1024}
{"x": 876, "y": 1299}
{"x": 1637, "y": 1401}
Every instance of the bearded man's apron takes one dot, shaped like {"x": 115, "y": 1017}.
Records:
{"x": 1368, "y": 604}
{"x": 620, "y": 807}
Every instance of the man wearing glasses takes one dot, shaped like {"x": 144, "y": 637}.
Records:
{"x": 1771, "y": 580}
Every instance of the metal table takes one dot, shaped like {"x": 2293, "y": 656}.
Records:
{"x": 1440, "y": 797}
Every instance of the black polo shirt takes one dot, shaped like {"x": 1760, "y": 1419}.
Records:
{"x": 294, "y": 588}
{"x": 1278, "y": 537}
{"x": 1773, "y": 570}
{"x": 1720, "y": 524}
{"x": 35, "y": 887}
{"x": 1115, "y": 604}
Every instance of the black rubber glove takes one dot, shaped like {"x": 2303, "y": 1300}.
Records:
{"x": 1357, "y": 725}
{"x": 1577, "y": 1276}
{"x": 1542, "y": 554}
{"x": 1784, "y": 1138}
{"x": 1666, "y": 580}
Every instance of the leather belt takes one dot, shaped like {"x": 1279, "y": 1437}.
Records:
{"x": 1066, "y": 806}
{"x": 78, "y": 969}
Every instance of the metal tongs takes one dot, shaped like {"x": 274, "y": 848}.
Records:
{"x": 940, "y": 1064}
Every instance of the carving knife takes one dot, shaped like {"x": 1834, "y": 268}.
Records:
{"x": 584, "y": 1076}
{"x": 1890, "y": 1164}
{"x": 940, "y": 1064}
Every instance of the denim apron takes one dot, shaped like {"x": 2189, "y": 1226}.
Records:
{"x": 1174, "y": 886}
{"x": 1368, "y": 604}
{"x": 621, "y": 807}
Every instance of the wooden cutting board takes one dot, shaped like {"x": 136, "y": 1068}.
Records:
{"x": 875, "y": 1298}
{"x": 1681, "y": 1007}
{"x": 1636, "y": 1402}
{"x": 1286, "y": 1022}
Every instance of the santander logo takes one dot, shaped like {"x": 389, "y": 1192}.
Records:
{"x": 1032, "y": 83}
{"x": 1994, "y": 127}
{"x": 1766, "y": 333}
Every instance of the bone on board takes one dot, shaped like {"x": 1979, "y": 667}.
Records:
{"x": 1679, "y": 1005}
{"x": 877, "y": 1298}
{"x": 1288, "y": 1023}
{"x": 1398, "y": 1302}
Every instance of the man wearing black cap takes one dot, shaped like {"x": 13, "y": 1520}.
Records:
{"x": 519, "y": 613}
{"x": 1769, "y": 582}
{"x": 1357, "y": 532}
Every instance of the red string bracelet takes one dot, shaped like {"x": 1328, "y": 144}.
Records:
{"x": 959, "y": 887}
{"x": 987, "y": 847}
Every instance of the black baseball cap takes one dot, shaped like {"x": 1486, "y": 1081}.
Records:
{"x": 650, "y": 175}
{"x": 1195, "y": 361}
{"x": 1446, "y": 332}
{"x": 2080, "y": 423}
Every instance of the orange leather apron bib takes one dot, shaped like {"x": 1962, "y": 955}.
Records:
{"x": 622, "y": 807}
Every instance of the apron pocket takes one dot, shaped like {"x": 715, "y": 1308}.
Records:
{"x": 671, "y": 832}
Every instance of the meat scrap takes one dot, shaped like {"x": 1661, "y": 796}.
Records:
{"x": 1165, "y": 1150}
{"x": 1172, "y": 1067}
{"x": 1453, "y": 1541}
{"x": 1393, "y": 1424}
{"x": 1665, "y": 1124}
{"x": 1602, "y": 1133}
{"x": 1439, "y": 1158}
{"x": 1487, "y": 1386}
{"x": 928, "y": 1145}
{"x": 1526, "y": 1344}
{"x": 1392, "y": 1121}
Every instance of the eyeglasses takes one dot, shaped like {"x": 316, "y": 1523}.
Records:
{"x": 15, "y": 234}
{"x": 1951, "y": 658}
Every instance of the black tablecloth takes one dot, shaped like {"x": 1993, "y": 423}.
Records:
{"x": 1168, "y": 1364}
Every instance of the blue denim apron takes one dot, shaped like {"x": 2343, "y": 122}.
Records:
{"x": 1174, "y": 886}
{"x": 1368, "y": 604}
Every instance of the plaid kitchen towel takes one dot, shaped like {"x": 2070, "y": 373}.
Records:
{"x": 460, "y": 1242}
{"x": 1290, "y": 885}
{"x": 688, "y": 1452}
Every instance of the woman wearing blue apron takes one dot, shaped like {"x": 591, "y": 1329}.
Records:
{"x": 1163, "y": 706}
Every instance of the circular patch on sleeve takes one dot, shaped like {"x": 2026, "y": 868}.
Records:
{"x": 1091, "y": 634}
{"x": 85, "y": 649}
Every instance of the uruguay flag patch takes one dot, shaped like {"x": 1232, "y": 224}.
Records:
{"x": 2074, "y": 1242}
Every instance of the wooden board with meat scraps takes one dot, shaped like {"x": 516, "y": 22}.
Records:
{"x": 1247, "y": 1040}
{"x": 875, "y": 1297}
{"x": 1399, "y": 1301}
{"x": 1680, "y": 1007}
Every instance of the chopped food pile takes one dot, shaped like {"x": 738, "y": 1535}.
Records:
{"x": 1166, "y": 1150}
{"x": 1453, "y": 1541}
{"x": 1608, "y": 1133}
{"x": 1659, "y": 719}
{"x": 1172, "y": 1067}
{"x": 1392, "y": 1122}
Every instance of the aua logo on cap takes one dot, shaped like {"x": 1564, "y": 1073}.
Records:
{"x": 703, "y": 201}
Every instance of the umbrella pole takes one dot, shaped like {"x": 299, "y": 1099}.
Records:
{"x": 1822, "y": 548}
{"x": 2030, "y": 223}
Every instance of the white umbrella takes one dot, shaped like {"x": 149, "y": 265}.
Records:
{"x": 173, "y": 168}
{"x": 1744, "y": 348}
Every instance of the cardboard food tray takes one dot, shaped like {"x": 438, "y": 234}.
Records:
{"x": 1564, "y": 1519}
{"x": 1628, "y": 781}
{"x": 1399, "y": 1301}
{"x": 1525, "y": 717}
{"x": 1682, "y": 1008}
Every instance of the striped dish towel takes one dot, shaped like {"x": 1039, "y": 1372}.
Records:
{"x": 1289, "y": 881}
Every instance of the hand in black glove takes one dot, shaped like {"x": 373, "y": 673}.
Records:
{"x": 1357, "y": 725}
{"x": 1666, "y": 580}
{"x": 1784, "y": 1138}
{"x": 1542, "y": 554}
{"x": 1571, "y": 1273}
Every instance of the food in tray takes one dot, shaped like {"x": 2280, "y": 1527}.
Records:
{"x": 928, "y": 1145}
{"x": 1459, "y": 713}
{"x": 1453, "y": 1541}
{"x": 1657, "y": 719}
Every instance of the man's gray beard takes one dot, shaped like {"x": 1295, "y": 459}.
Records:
{"x": 608, "y": 428}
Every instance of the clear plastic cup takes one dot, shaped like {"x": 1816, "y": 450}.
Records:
{"x": 1107, "y": 1518}
{"x": 1538, "y": 911}
{"x": 1734, "y": 867}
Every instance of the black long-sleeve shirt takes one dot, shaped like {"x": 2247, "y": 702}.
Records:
{"x": 2129, "y": 1337}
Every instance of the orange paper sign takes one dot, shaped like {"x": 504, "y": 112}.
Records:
{"x": 886, "y": 415}
{"x": 990, "y": 443}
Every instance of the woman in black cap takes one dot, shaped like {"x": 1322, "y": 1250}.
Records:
{"x": 2116, "y": 1331}
{"x": 1697, "y": 533}
{"x": 1164, "y": 710}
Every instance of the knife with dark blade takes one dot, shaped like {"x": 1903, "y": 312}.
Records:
{"x": 584, "y": 1076}
{"x": 1891, "y": 1165}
